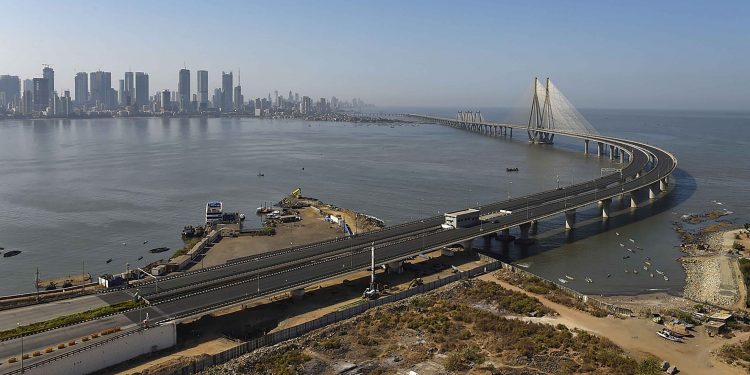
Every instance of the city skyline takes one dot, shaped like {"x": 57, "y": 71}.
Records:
{"x": 664, "y": 55}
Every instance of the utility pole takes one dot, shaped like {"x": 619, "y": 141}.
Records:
{"x": 36, "y": 284}
{"x": 83, "y": 277}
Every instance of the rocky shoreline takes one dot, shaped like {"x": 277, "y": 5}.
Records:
{"x": 710, "y": 266}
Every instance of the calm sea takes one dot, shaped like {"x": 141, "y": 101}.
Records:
{"x": 76, "y": 193}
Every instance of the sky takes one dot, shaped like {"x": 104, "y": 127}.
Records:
{"x": 601, "y": 54}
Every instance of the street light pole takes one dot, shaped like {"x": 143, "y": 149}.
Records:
{"x": 19, "y": 326}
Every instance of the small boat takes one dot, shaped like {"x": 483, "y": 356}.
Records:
{"x": 617, "y": 233}
{"x": 666, "y": 278}
{"x": 261, "y": 174}
{"x": 145, "y": 242}
{"x": 2, "y": 248}
{"x": 638, "y": 247}
{"x": 626, "y": 271}
{"x": 651, "y": 274}
{"x": 140, "y": 257}
{"x": 515, "y": 169}
{"x": 12, "y": 253}
{"x": 523, "y": 265}
{"x": 569, "y": 277}
{"x": 660, "y": 272}
{"x": 242, "y": 217}
{"x": 631, "y": 240}
{"x": 124, "y": 244}
{"x": 159, "y": 250}
{"x": 631, "y": 250}
{"x": 562, "y": 280}
{"x": 109, "y": 260}
{"x": 645, "y": 268}
{"x": 647, "y": 263}
{"x": 588, "y": 280}
{"x": 626, "y": 257}
{"x": 665, "y": 334}
{"x": 635, "y": 272}
{"x": 621, "y": 245}
{"x": 609, "y": 275}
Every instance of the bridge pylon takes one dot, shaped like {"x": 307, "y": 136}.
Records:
{"x": 541, "y": 117}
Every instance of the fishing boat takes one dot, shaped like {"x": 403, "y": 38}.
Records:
{"x": 635, "y": 272}
{"x": 569, "y": 277}
{"x": 109, "y": 260}
{"x": 647, "y": 263}
{"x": 631, "y": 250}
{"x": 622, "y": 245}
{"x": 638, "y": 247}
{"x": 264, "y": 209}
{"x": 140, "y": 257}
{"x": 666, "y": 278}
{"x": 12, "y": 253}
{"x": 651, "y": 274}
{"x": 665, "y": 333}
{"x": 626, "y": 257}
{"x": 159, "y": 250}
{"x": 645, "y": 268}
{"x": 261, "y": 174}
{"x": 660, "y": 272}
{"x": 588, "y": 280}
{"x": 562, "y": 280}
{"x": 617, "y": 233}
{"x": 609, "y": 275}
{"x": 631, "y": 240}
{"x": 214, "y": 211}
{"x": 626, "y": 271}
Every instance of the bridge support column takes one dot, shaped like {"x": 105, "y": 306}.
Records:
{"x": 505, "y": 236}
{"x": 524, "y": 237}
{"x": 585, "y": 146}
{"x": 663, "y": 183}
{"x": 611, "y": 152}
{"x": 466, "y": 245}
{"x": 570, "y": 219}
{"x": 653, "y": 191}
{"x": 605, "y": 204}
{"x": 511, "y": 132}
{"x": 534, "y": 226}
{"x": 297, "y": 293}
{"x": 634, "y": 199}
{"x": 396, "y": 267}
{"x": 599, "y": 149}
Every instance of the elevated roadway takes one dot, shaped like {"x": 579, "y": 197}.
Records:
{"x": 193, "y": 294}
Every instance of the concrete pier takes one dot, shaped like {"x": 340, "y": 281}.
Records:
{"x": 570, "y": 219}
{"x": 524, "y": 238}
{"x": 534, "y": 227}
{"x": 611, "y": 152}
{"x": 505, "y": 236}
{"x": 663, "y": 183}
{"x": 605, "y": 204}
{"x": 466, "y": 245}
{"x": 653, "y": 191}
{"x": 585, "y": 146}
{"x": 599, "y": 149}
{"x": 634, "y": 199}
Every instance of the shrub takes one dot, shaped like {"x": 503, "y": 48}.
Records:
{"x": 330, "y": 344}
{"x": 49, "y": 350}
{"x": 61, "y": 346}
{"x": 36, "y": 353}
{"x": 12, "y": 360}
{"x": 649, "y": 366}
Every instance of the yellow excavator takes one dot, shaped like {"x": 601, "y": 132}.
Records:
{"x": 297, "y": 193}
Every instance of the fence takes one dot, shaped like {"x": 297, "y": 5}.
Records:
{"x": 610, "y": 308}
{"x": 301, "y": 329}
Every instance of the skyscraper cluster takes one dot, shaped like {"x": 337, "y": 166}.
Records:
{"x": 94, "y": 93}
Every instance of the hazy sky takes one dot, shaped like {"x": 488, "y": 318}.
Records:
{"x": 610, "y": 54}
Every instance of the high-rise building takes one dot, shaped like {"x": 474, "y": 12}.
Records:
{"x": 239, "y": 100}
{"x": 141, "y": 90}
{"x": 129, "y": 88}
{"x": 276, "y": 99}
{"x": 226, "y": 91}
{"x": 121, "y": 92}
{"x": 305, "y": 106}
{"x": 28, "y": 85}
{"x": 67, "y": 104}
{"x": 27, "y": 102}
{"x": 166, "y": 101}
{"x": 291, "y": 98}
{"x": 296, "y": 97}
{"x": 41, "y": 94}
{"x": 202, "y": 89}
{"x": 10, "y": 90}
{"x": 218, "y": 98}
{"x": 183, "y": 90}
{"x": 100, "y": 84}
{"x": 48, "y": 73}
{"x": 82, "y": 88}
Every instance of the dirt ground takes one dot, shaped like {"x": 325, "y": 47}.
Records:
{"x": 638, "y": 337}
{"x": 312, "y": 228}
{"x": 209, "y": 347}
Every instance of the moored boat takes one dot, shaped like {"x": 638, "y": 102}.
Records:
{"x": 159, "y": 250}
{"x": 569, "y": 277}
{"x": 12, "y": 253}
{"x": 562, "y": 280}
{"x": 588, "y": 280}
